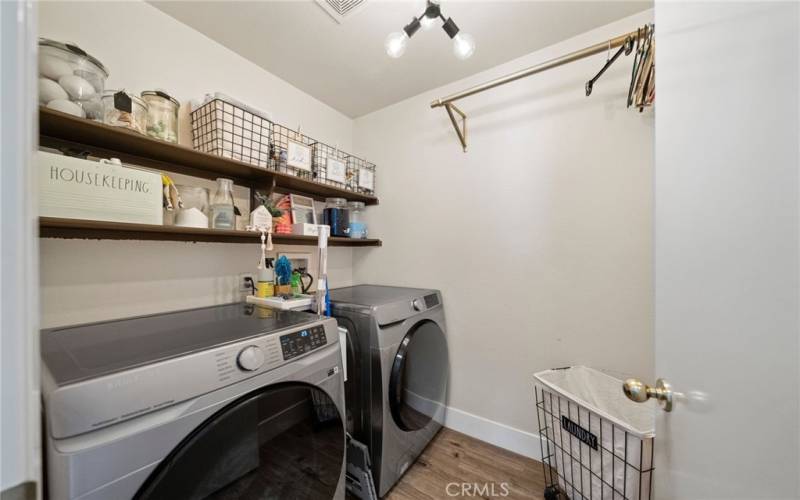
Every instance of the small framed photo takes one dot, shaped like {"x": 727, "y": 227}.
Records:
{"x": 336, "y": 170}
{"x": 302, "y": 209}
{"x": 366, "y": 179}
{"x": 298, "y": 156}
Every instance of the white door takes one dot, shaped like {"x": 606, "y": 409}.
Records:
{"x": 20, "y": 455}
{"x": 726, "y": 249}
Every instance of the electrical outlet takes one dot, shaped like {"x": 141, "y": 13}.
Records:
{"x": 245, "y": 280}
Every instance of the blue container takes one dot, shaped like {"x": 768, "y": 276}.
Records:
{"x": 336, "y": 216}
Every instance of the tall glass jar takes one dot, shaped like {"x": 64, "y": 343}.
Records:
{"x": 222, "y": 215}
{"x": 162, "y": 115}
{"x": 357, "y": 228}
{"x": 335, "y": 215}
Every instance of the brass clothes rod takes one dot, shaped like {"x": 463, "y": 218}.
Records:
{"x": 448, "y": 102}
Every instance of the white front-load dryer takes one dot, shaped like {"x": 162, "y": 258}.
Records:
{"x": 224, "y": 402}
{"x": 397, "y": 381}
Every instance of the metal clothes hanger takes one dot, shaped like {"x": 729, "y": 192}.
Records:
{"x": 636, "y": 62}
{"x": 627, "y": 47}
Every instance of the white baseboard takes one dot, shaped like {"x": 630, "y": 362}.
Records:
{"x": 501, "y": 435}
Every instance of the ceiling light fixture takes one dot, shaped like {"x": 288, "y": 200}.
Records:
{"x": 463, "y": 43}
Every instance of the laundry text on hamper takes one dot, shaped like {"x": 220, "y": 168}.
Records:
{"x": 579, "y": 432}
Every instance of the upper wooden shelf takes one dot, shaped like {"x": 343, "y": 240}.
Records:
{"x": 51, "y": 227}
{"x": 62, "y": 130}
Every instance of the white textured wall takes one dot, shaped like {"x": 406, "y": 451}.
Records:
{"x": 143, "y": 48}
{"x": 540, "y": 237}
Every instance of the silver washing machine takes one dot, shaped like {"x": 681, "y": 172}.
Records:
{"x": 225, "y": 402}
{"x": 398, "y": 370}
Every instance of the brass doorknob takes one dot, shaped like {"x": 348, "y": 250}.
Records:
{"x": 639, "y": 392}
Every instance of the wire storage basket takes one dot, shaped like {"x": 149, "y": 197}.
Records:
{"x": 360, "y": 175}
{"x": 330, "y": 165}
{"x": 293, "y": 152}
{"x": 596, "y": 444}
{"x": 226, "y": 128}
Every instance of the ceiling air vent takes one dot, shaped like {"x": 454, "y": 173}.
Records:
{"x": 340, "y": 10}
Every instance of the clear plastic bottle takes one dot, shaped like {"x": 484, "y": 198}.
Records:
{"x": 222, "y": 216}
{"x": 357, "y": 228}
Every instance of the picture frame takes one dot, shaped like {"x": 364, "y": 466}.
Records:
{"x": 298, "y": 156}
{"x": 303, "y": 209}
{"x": 336, "y": 170}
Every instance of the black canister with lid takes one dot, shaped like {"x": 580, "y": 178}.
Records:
{"x": 336, "y": 216}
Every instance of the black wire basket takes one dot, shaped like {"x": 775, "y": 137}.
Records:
{"x": 292, "y": 152}
{"x": 360, "y": 175}
{"x": 226, "y": 129}
{"x": 586, "y": 455}
{"x": 330, "y": 165}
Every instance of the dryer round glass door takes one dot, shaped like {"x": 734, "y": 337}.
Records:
{"x": 282, "y": 441}
{"x": 418, "y": 382}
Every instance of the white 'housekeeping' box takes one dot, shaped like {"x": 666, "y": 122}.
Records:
{"x": 596, "y": 443}
{"x": 73, "y": 188}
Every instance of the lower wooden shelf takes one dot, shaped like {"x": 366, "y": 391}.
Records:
{"x": 51, "y": 227}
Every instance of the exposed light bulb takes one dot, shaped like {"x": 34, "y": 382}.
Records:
{"x": 427, "y": 22}
{"x": 396, "y": 44}
{"x": 463, "y": 45}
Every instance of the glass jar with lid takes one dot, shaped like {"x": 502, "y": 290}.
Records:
{"x": 70, "y": 80}
{"x": 162, "y": 115}
{"x": 335, "y": 215}
{"x": 122, "y": 109}
{"x": 357, "y": 227}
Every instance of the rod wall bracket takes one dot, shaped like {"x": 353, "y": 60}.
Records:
{"x": 461, "y": 130}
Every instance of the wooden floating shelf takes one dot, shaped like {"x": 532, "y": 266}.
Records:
{"x": 50, "y": 227}
{"x": 60, "y": 130}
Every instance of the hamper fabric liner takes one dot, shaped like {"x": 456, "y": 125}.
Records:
{"x": 621, "y": 466}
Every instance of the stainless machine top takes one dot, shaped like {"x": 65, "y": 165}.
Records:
{"x": 376, "y": 295}
{"x": 82, "y": 352}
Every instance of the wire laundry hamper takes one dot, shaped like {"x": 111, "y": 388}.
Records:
{"x": 596, "y": 444}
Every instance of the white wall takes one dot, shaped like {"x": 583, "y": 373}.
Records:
{"x": 540, "y": 237}
{"x": 143, "y": 48}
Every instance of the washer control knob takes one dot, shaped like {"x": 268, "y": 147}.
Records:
{"x": 417, "y": 305}
{"x": 250, "y": 358}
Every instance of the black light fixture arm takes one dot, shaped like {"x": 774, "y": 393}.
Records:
{"x": 463, "y": 43}
{"x": 432, "y": 11}
{"x": 412, "y": 27}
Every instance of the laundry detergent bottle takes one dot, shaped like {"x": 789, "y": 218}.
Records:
{"x": 265, "y": 286}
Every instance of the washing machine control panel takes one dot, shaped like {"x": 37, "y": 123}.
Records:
{"x": 296, "y": 343}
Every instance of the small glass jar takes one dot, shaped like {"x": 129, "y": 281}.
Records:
{"x": 195, "y": 207}
{"x": 134, "y": 119}
{"x": 162, "y": 115}
{"x": 335, "y": 215}
{"x": 357, "y": 227}
{"x": 222, "y": 213}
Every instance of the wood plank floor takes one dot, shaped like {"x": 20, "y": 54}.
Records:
{"x": 453, "y": 457}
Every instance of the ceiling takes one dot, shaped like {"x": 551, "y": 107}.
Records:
{"x": 345, "y": 66}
